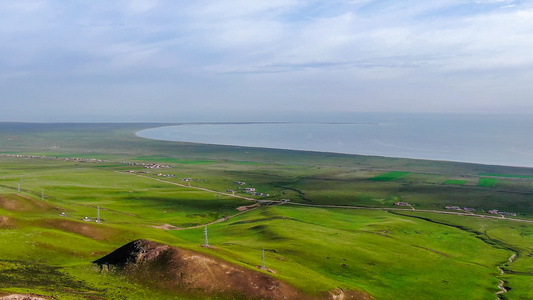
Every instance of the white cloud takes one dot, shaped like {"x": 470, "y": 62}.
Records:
{"x": 323, "y": 53}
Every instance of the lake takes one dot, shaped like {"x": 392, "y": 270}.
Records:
{"x": 477, "y": 138}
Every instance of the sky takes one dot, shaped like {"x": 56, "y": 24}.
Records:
{"x": 172, "y": 61}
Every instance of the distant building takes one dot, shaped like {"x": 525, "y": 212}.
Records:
{"x": 249, "y": 190}
{"x": 260, "y": 194}
{"x": 505, "y": 213}
{"x": 494, "y": 211}
{"x": 401, "y": 203}
{"x": 470, "y": 209}
{"x": 453, "y": 207}
{"x": 239, "y": 182}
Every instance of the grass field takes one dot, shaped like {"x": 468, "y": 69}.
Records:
{"x": 171, "y": 160}
{"x": 455, "y": 182}
{"x": 390, "y": 176}
{"x": 506, "y": 175}
{"x": 46, "y": 248}
{"x": 487, "y": 182}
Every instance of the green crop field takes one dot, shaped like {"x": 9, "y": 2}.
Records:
{"x": 487, "y": 182}
{"x": 341, "y": 228}
{"x": 455, "y": 182}
{"x": 389, "y": 176}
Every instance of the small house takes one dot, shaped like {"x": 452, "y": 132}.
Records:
{"x": 453, "y": 207}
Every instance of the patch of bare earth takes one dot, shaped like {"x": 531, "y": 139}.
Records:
{"x": 20, "y": 204}
{"x": 340, "y": 294}
{"x": 244, "y": 208}
{"x": 24, "y": 297}
{"x": 90, "y": 230}
{"x": 6, "y": 222}
{"x": 165, "y": 227}
{"x": 187, "y": 271}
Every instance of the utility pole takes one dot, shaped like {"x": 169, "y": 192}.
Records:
{"x": 18, "y": 187}
{"x": 206, "y": 243}
{"x": 98, "y": 214}
{"x": 263, "y": 260}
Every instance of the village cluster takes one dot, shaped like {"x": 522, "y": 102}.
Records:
{"x": 55, "y": 158}
{"x": 492, "y": 211}
{"x": 467, "y": 209}
{"x": 248, "y": 190}
{"x": 146, "y": 165}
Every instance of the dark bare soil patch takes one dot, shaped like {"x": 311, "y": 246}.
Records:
{"x": 90, "y": 230}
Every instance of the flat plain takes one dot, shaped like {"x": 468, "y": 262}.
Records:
{"x": 340, "y": 233}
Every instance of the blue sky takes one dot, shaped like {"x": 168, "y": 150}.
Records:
{"x": 167, "y": 61}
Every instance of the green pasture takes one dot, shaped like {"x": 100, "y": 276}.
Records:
{"x": 122, "y": 196}
{"x": 46, "y": 248}
{"x": 374, "y": 251}
{"x": 163, "y": 159}
{"x": 506, "y": 175}
{"x": 390, "y": 176}
{"x": 455, "y": 182}
{"x": 500, "y": 234}
{"x": 487, "y": 182}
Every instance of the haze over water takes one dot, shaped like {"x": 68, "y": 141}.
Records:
{"x": 477, "y": 138}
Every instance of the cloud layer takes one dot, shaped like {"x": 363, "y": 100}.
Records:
{"x": 158, "y": 60}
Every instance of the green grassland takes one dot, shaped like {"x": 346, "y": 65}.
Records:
{"x": 46, "y": 248}
{"x": 455, "y": 182}
{"x": 506, "y": 175}
{"x": 487, "y": 182}
{"x": 389, "y": 176}
{"x": 374, "y": 251}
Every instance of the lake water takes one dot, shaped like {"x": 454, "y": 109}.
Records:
{"x": 479, "y": 138}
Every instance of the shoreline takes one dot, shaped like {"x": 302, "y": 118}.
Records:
{"x": 136, "y": 134}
